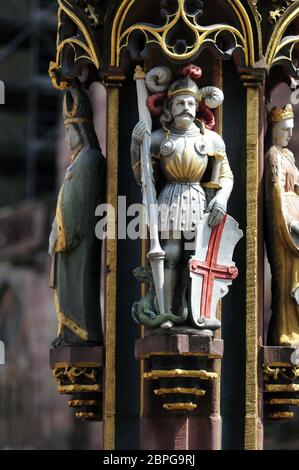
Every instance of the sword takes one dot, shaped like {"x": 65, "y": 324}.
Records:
{"x": 156, "y": 255}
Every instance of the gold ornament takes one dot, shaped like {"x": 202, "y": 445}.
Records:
{"x": 278, "y": 114}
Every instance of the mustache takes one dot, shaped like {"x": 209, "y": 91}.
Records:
{"x": 184, "y": 113}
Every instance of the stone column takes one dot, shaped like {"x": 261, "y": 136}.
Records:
{"x": 253, "y": 80}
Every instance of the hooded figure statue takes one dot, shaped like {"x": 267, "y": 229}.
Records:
{"x": 75, "y": 250}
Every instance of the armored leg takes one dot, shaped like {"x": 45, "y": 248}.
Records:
{"x": 173, "y": 252}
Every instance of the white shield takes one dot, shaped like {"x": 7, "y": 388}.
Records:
{"x": 212, "y": 268}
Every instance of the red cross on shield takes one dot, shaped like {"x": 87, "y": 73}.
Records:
{"x": 212, "y": 269}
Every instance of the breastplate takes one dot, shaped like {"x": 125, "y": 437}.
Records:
{"x": 183, "y": 158}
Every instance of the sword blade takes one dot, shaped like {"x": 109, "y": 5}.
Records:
{"x": 157, "y": 266}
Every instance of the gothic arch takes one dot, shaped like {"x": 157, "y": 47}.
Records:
{"x": 281, "y": 46}
{"x": 241, "y": 31}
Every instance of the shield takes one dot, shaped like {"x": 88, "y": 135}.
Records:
{"x": 212, "y": 269}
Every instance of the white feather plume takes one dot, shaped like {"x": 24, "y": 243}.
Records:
{"x": 213, "y": 96}
{"x": 158, "y": 79}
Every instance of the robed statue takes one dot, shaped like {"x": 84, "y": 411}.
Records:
{"x": 75, "y": 250}
{"x": 192, "y": 184}
{"x": 282, "y": 229}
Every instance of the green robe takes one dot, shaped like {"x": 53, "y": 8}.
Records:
{"x": 77, "y": 259}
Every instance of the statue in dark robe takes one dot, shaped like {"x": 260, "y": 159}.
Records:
{"x": 75, "y": 250}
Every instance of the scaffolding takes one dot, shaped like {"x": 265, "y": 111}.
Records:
{"x": 28, "y": 120}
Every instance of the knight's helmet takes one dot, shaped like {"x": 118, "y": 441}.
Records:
{"x": 77, "y": 107}
{"x": 184, "y": 86}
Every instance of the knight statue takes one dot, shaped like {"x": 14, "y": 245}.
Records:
{"x": 192, "y": 178}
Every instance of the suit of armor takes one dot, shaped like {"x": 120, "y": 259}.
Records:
{"x": 181, "y": 157}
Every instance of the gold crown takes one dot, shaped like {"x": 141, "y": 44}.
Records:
{"x": 279, "y": 114}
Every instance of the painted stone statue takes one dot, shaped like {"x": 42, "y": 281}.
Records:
{"x": 192, "y": 177}
{"x": 75, "y": 250}
{"x": 282, "y": 230}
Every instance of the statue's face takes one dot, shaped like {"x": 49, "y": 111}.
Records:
{"x": 282, "y": 132}
{"x": 183, "y": 109}
{"x": 72, "y": 137}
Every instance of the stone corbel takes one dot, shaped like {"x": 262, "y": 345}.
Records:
{"x": 180, "y": 386}
{"x": 78, "y": 372}
{"x": 281, "y": 382}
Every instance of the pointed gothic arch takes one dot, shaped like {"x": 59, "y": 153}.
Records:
{"x": 281, "y": 45}
{"x": 241, "y": 31}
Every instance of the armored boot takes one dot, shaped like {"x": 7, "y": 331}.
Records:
{"x": 173, "y": 251}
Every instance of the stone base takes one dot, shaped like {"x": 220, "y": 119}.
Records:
{"x": 78, "y": 372}
{"x": 180, "y": 391}
{"x": 281, "y": 382}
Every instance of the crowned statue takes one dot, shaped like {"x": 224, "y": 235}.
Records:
{"x": 193, "y": 182}
{"x": 75, "y": 250}
{"x": 282, "y": 229}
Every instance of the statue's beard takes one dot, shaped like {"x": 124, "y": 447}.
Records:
{"x": 75, "y": 150}
{"x": 73, "y": 145}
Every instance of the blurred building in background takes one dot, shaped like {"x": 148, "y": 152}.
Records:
{"x": 28, "y": 122}
{"x": 33, "y": 160}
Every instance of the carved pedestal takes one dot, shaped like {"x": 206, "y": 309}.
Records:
{"x": 180, "y": 393}
{"x": 281, "y": 382}
{"x": 78, "y": 372}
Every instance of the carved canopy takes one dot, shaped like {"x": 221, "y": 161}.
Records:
{"x": 102, "y": 34}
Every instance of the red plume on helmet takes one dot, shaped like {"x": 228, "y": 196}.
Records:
{"x": 191, "y": 70}
{"x": 205, "y": 114}
{"x": 155, "y": 103}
